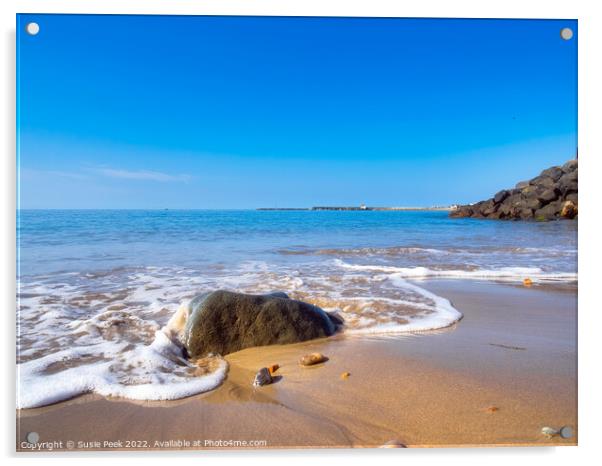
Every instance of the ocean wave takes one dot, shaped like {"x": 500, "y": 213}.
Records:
{"x": 364, "y": 251}
{"x": 426, "y": 251}
{"x": 502, "y": 273}
{"x": 139, "y": 372}
{"x": 437, "y": 313}
{"x": 90, "y": 333}
{"x": 107, "y": 331}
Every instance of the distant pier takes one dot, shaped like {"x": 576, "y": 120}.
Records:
{"x": 361, "y": 208}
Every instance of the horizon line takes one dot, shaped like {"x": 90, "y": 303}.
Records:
{"x": 314, "y": 208}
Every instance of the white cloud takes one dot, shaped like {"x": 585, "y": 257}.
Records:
{"x": 142, "y": 175}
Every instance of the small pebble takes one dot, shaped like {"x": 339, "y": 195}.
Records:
{"x": 313, "y": 358}
{"x": 492, "y": 409}
{"x": 263, "y": 377}
{"x": 549, "y": 432}
{"x": 345, "y": 375}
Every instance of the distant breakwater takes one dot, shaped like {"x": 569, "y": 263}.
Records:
{"x": 360, "y": 208}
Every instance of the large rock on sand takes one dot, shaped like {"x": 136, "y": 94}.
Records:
{"x": 223, "y": 322}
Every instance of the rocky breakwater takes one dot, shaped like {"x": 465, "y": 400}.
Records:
{"x": 551, "y": 195}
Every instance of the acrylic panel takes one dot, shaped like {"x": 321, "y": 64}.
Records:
{"x": 286, "y": 232}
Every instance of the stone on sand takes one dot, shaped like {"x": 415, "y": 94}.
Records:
{"x": 263, "y": 377}
{"x": 222, "y": 322}
{"x": 312, "y": 359}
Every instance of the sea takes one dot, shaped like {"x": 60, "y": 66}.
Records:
{"x": 96, "y": 288}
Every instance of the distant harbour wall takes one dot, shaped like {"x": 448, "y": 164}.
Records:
{"x": 360, "y": 208}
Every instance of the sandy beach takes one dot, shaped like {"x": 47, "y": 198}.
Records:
{"x": 506, "y": 370}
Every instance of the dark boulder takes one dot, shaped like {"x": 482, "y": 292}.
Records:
{"x": 490, "y": 208}
{"x": 549, "y": 212}
{"x": 532, "y": 203}
{"x": 530, "y": 191}
{"x": 548, "y": 195}
{"x": 477, "y": 209}
{"x": 522, "y": 184}
{"x": 569, "y": 210}
{"x": 500, "y": 196}
{"x": 553, "y": 172}
{"x": 504, "y": 210}
{"x": 222, "y": 322}
{"x": 543, "y": 181}
{"x": 570, "y": 166}
{"x": 486, "y": 207}
{"x": 568, "y": 183}
{"x": 512, "y": 206}
{"x": 462, "y": 212}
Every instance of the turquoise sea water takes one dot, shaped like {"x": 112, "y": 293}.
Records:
{"x": 97, "y": 287}
{"x": 99, "y": 240}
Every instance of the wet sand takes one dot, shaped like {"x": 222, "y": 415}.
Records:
{"x": 506, "y": 370}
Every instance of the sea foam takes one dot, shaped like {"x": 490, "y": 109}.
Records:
{"x": 153, "y": 372}
{"x": 501, "y": 273}
{"x": 91, "y": 335}
{"x": 434, "y": 313}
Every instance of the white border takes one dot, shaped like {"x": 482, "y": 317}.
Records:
{"x": 590, "y": 322}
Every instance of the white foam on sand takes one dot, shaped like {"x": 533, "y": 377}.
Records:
{"x": 102, "y": 334}
{"x": 144, "y": 372}
{"x": 432, "y": 312}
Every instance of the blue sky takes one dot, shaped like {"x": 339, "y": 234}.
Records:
{"x": 235, "y": 112}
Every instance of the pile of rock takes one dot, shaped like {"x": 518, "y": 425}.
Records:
{"x": 549, "y": 196}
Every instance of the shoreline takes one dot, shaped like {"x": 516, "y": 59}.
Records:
{"x": 514, "y": 349}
